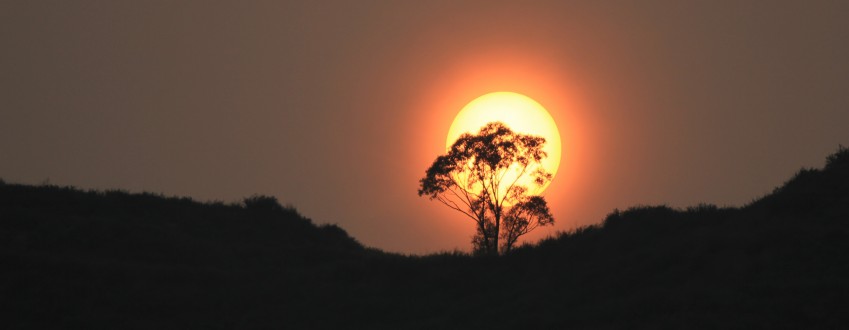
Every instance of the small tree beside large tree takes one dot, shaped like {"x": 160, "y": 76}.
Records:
{"x": 489, "y": 177}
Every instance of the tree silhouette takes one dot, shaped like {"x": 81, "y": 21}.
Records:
{"x": 488, "y": 177}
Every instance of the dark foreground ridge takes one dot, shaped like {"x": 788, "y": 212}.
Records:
{"x": 76, "y": 259}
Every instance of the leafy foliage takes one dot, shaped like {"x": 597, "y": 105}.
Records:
{"x": 482, "y": 176}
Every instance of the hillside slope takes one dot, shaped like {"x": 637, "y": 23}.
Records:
{"x": 75, "y": 259}
{"x": 780, "y": 262}
{"x": 110, "y": 258}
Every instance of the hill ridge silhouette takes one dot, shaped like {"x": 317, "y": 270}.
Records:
{"x": 117, "y": 260}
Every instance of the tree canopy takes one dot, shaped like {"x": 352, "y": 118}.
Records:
{"x": 489, "y": 177}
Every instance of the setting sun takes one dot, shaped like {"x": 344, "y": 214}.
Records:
{"x": 519, "y": 112}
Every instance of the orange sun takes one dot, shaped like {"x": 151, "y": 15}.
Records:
{"x": 522, "y": 114}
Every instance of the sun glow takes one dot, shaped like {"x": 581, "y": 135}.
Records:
{"x": 521, "y": 114}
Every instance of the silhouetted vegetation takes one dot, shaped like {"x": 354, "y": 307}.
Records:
{"x": 76, "y": 259}
{"x": 481, "y": 177}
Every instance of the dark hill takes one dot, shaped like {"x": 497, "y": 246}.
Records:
{"x": 75, "y": 259}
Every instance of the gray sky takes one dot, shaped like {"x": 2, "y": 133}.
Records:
{"x": 339, "y": 107}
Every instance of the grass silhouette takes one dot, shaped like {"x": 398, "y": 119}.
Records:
{"x": 89, "y": 259}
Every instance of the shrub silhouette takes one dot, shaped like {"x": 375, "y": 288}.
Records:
{"x": 839, "y": 159}
{"x": 262, "y": 203}
{"x": 481, "y": 177}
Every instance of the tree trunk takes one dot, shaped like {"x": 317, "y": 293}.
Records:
{"x": 497, "y": 215}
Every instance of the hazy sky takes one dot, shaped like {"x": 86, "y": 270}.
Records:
{"x": 339, "y": 107}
